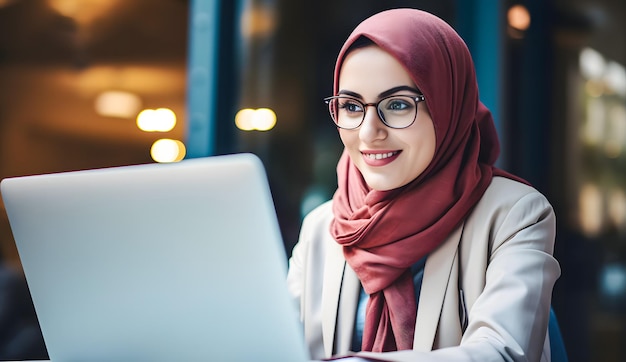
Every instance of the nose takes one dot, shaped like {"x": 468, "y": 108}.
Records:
{"x": 372, "y": 127}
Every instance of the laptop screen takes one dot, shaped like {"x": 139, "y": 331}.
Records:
{"x": 156, "y": 262}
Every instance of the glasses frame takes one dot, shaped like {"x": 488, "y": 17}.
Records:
{"x": 416, "y": 98}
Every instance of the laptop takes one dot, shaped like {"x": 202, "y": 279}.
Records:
{"x": 156, "y": 262}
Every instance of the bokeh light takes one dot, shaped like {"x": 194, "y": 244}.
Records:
{"x": 117, "y": 104}
{"x": 156, "y": 120}
{"x": 518, "y": 17}
{"x": 168, "y": 150}
{"x": 262, "y": 119}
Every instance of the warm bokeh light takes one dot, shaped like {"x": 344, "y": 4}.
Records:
{"x": 617, "y": 208}
{"x": 156, "y": 120}
{"x": 594, "y": 89}
{"x": 5, "y": 2}
{"x": 518, "y": 17}
{"x": 591, "y": 209}
{"x": 243, "y": 119}
{"x": 168, "y": 150}
{"x": 262, "y": 119}
{"x": 258, "y": 21}
{"x": 83, "y": 11}
{"x": 117, "y": 104}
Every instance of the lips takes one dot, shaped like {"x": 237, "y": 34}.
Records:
{"x": 379, "y": 158}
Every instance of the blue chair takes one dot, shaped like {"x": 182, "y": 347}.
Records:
{"x": 557, "y": 346}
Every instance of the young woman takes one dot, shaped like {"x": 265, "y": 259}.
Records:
{"x": 426, "y": 251}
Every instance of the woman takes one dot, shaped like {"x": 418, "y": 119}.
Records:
{"x": 427, "y": 251}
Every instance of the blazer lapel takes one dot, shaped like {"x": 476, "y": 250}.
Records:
{"x": 348, "y": 304}
{"x": 333, "y": 275}
{"x": 436, "y": 277}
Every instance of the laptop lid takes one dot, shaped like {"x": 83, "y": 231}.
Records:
{"x": 156, "y": 262}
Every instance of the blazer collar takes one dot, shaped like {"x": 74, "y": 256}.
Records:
{"x": 437, "y": 274}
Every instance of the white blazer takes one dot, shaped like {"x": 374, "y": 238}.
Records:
{"x": 485, "y": 295}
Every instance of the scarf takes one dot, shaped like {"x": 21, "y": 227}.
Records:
{"x": 384, "y": 232}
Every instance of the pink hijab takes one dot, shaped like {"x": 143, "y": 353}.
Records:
{"x": 385, "y": 232}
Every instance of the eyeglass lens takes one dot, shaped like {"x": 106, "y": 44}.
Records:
{"x": 395, "y": 112}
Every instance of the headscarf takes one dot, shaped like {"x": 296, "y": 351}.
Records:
{"x": 383, "y": 233}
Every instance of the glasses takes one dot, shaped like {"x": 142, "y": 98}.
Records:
{"x": 398, "y": 111}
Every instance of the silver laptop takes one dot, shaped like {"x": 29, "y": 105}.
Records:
{"x": 158, "y": 262}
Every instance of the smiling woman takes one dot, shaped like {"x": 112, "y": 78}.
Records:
{"x": 422, "y": 223}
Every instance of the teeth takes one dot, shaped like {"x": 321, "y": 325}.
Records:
{"x": 380, "y": 156}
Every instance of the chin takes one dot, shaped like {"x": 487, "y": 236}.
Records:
{"x": 382, "y": 186}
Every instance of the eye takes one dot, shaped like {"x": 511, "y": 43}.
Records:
{"x": 350, "y": 106}
{"x": 398, "y": 104}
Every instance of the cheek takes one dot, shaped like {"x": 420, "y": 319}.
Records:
{"x": 422, "y": 143}
{"x": 347, "y": 137}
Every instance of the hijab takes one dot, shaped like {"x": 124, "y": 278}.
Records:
{"x": 383, "y": 233}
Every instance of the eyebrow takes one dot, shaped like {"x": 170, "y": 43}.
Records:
{"x": 386, "y": 93}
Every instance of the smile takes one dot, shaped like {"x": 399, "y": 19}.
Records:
{"x": 380, "y": 156}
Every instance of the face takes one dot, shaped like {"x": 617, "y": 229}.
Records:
{"x": 388, "y": 158}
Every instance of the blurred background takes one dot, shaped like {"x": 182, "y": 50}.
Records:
{"x": 98, "y": 83}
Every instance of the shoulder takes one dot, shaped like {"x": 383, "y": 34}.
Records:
{"x": 322, "y": 214}
{"x": 315, "y": 229}
{"x": 506, "y": 208}
{"x": 504, "y": 195}
{"x": 506, "y": 190}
